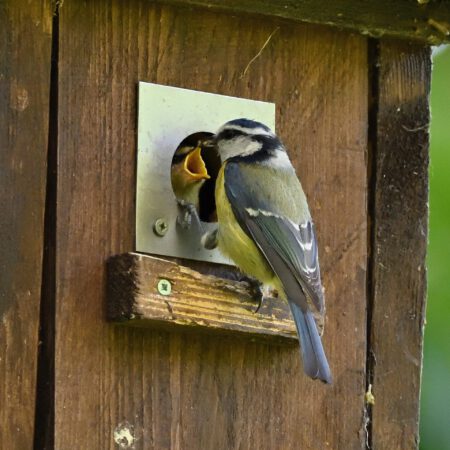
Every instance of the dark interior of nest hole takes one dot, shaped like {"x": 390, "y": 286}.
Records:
{"x": 207, "y": 202}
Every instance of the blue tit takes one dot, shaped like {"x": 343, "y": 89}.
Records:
{"x": 188, "y": 174}
{"x": 265, "y": 227}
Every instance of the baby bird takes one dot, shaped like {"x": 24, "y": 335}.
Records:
{"x": 188, "y": 173}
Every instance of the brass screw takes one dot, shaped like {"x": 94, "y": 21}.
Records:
{"x": 164, "y": 287}
{"x": 160, "y": 227}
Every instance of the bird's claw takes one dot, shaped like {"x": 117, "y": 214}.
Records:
{"x": 184, "y": 219}
{"x": 256, "y": 289}
{"x": 187, "y": 212}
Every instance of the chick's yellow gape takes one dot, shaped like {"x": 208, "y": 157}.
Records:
{"x": 194, "y": 166}
{"x": 265, "y": 227}
{"x": 188, "y": 173}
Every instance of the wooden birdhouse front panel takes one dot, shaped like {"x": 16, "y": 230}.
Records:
{"x": 345, "y": 106}
{"x": 175, "y": 390}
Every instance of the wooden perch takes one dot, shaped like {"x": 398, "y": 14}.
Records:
{"x": 148, "y": 291}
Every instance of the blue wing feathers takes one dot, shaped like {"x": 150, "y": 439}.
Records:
{"x": 291, "y": 252}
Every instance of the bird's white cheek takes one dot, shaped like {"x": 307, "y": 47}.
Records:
{"x": 238, "y": 147}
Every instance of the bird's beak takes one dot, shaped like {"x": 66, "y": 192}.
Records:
{"x": 208, "y": 143}
{"x": 194, "y": 165}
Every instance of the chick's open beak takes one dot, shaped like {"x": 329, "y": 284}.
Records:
{"x": 194, "y": 165}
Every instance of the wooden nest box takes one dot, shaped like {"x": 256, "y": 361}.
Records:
{"x": 350, "y": 81}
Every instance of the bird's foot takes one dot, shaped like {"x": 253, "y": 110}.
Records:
{"x": 256, "y": 290}
{"x": 184, "y": 219}
{"x": 187, "y": 214}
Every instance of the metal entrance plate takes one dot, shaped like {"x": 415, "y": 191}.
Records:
{"x": 166, "y": 116}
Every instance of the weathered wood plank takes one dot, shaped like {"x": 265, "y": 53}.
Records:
{"x": 422, "y": 20}
{"x": 400, "y": 241}
{"x": 196, "y": 302}
{"x": 25, "y": 47}
{"x": 169, "y": 390}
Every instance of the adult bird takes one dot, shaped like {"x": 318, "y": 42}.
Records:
{"x": 265, "y": 227}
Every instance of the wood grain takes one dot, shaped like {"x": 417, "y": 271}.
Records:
{"x": 196, "y": 302}
{"x": 180, "y": 391}
{"x": 426, "y": 21}
{"x": 400, "y": 242}
{"x": 25, "y": 46}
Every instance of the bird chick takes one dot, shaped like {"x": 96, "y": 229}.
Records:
{"x": 188, "y": 173}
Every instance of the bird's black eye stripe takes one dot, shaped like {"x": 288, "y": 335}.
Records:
{"x": 229, "y": 134}
{"x": 268, "y": 142}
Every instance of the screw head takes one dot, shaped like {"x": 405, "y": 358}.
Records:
{"x": 164, "y": 287}
{"x": 160, "y": 227}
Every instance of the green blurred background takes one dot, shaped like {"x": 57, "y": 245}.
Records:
{"x": 435, "y": 404}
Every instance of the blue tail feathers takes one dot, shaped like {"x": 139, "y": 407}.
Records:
{"x": 315, "y": 362}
